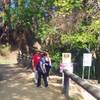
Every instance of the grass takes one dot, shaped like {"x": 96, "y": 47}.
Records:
{"x": 4, "y": 61}
{"x": 4, "y": 52}
{"x": 75, "y": 98}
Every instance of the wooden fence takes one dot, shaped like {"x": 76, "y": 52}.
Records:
{"x": 94, "y": 91}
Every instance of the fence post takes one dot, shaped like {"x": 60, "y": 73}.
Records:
{"x": 66, "y": 85}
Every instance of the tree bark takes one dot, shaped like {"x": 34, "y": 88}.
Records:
{"x": 98, "y": 65}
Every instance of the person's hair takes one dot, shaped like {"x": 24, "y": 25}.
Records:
{"x": 43, "y": 54}
{"x": 36, "y": 50}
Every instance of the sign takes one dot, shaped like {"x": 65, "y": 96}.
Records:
{"x": 66, "y": 62}
{"x": 66, "y": 57}
{"x": 87, "y": 59}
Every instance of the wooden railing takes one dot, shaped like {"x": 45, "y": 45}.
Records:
{"x": 94, "y": 91}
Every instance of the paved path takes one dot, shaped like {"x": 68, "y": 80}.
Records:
{"x": 16, "y": 83}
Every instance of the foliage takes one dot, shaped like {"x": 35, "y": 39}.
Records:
{"x": 79, "y": 40}
{"x": 88, "y": 33}
{"x": 1, "y": 14}
{"x": 45, "y": 30}
{"x": 56, "y": 61}
{"x": 40, "y": 10}
{"x": 37, "y": 14}
{"x": 66, "y": 6}
{"x": 95, "y": 26}
{"x": 4, "y": 50}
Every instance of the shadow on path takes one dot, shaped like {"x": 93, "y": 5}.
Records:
{"x": 17, "y": 84}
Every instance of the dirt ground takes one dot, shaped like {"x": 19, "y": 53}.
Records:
{"x": 16, "y": 83}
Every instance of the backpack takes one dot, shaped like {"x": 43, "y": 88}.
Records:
{"x": 41, "y": 66}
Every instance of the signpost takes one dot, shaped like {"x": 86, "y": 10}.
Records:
{"x": 87, "y": 62}
{"x": 66, "y": 64}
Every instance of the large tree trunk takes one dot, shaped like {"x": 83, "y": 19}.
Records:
{"x": 98, "y": 65}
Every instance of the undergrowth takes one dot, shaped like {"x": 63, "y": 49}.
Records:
{"x": 4, "y": 50}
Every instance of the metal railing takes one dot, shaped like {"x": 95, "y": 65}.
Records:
{"x": 94, "y": 91}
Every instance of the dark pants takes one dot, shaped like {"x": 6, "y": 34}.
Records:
{"x": 48, "y": 70}
{"x": 40, "y": 74}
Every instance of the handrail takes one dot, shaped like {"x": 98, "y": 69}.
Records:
{"x": 94, "y": 91}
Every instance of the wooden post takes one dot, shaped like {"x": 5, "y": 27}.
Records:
{"x": 66, "y": 85}
{"x": 94, "y": 91}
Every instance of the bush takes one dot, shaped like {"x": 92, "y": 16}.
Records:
{"x": 56, "y": 58}
{"x": 4, "y": 50}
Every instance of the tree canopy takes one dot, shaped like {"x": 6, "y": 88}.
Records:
{"x": 59, "y": 25}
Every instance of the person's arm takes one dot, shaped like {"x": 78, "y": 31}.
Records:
{"x": 33, "y": 65}
{"x": 50, "y": 62}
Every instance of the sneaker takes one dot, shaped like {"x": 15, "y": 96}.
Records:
{"x": 37, "y": 85}
{"x": 46, "y": 86}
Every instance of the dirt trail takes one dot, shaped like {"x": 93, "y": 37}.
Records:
{"x": 16, "y": 83}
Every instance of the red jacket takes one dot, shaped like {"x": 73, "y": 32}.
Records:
{"x": 36, "y": 59}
